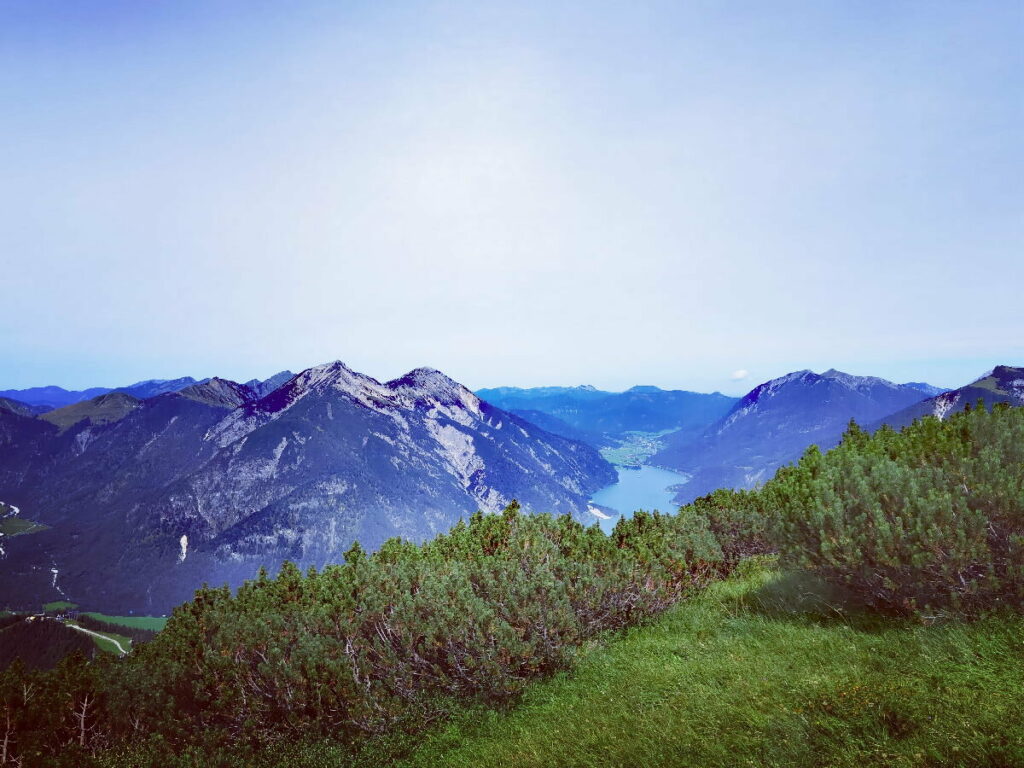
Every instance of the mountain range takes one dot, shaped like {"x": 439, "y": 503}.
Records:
{"x": 211, "y": 480}
{"x": 775, "y": 422}
{"x": 603, "y": 418}
{"x": 49, "y": 398}
{"x": 1003, "y": 384}
{"x": 169, "y": 483}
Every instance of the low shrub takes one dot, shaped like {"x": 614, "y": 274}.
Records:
{"x": 391, "y": 642}
{"x": 928, "y": 520}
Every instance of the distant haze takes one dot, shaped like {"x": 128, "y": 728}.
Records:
{"x": 693, "y": 195}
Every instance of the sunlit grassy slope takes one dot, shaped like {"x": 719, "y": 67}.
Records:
{"x": 768, "y": 670}
{"x": 155, "y": 623}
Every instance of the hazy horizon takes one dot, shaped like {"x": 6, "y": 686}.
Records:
{"x": 525, "y": 195}
{"x": 738, "y": 384}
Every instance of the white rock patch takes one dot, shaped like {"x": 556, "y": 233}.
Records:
{"x": 944, "y": 404}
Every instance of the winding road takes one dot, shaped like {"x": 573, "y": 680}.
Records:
{"x": 97, "y": 634}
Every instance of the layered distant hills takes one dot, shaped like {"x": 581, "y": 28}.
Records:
{"x": 147, "y": 497}
{"x": 602, "y": 418}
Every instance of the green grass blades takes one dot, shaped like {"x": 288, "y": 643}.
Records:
{"x": 765, "y": 670}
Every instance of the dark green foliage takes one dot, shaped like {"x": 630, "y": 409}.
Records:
{"x": 56, "y": 718}
{"x": 41, "y": 643}
{"x": 391, "y": 642}
{"x": 738, "y": 521}
{"x": 930, "y": 519}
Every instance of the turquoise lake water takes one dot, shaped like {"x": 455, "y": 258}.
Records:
{"x": 644, "y": 488}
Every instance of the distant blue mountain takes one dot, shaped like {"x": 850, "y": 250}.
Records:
{"x": 600, "y": 417}
{"x": 775, "y": 422}
{"x": 1003, "y": 384}
{"x": 266, "y": 386}
{"x": 927, "y": 389}
{"x": 58, "y": 397}
{"x": 52, "y": 397}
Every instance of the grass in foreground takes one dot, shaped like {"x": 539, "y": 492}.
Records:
{"x": 155, "y": 623}
{"x": 765, "y": 669}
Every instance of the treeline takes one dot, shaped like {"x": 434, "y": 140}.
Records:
{"x": 926, "y": 521}
{"x": 40, "y": 643}
{"x": 135, "y": 634}
{"x": 929, "y": 520}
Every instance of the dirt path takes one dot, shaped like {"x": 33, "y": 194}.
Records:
{"x": 97, "y": 634}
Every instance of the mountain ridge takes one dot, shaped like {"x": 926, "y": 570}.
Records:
{"x": 209, "y": 482}
{"x": 1003, "y": 384}
{"x": 774, "y": 423}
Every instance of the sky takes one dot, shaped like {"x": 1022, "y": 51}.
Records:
{"x": 696, "y": 195}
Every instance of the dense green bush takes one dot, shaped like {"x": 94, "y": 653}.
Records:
{"x": 927, "y": 520}
{"x": 738, "y": 521}
{"x": 390, "y": 642}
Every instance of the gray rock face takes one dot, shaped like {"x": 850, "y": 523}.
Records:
{"x": 210, "y": 482}
{"x": 266, "y": 386}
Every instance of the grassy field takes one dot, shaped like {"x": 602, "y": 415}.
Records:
{"x": 16, "y": 526}
{"x": 155, "y": 623}
{"x": 766, "y": 669}
{"x": 59, "y": 605}
{"x": 635, "y": 448}
{"x": 109, "y": 647}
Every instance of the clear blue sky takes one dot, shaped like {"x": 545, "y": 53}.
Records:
{"x": 516, "y": 193}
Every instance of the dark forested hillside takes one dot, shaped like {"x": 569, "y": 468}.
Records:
{"x": 40, "y": 643}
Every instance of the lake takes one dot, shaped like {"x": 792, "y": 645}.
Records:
{"x": 644, "y": 488}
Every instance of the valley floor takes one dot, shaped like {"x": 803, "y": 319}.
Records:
{"x": 765, "y": 669}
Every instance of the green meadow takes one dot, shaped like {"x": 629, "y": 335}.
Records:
{"x": 154, "y": 623}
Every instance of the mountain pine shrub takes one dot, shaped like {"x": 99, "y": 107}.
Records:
{"x": 928, "y": 520}
{"x": 738, "y": 522}
{"x": 387, "y": 643}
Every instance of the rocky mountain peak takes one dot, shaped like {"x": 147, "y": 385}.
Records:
{"x": 222, "y": 393}
{"x": 429, "y": 385}
{"x": 263, "y": 387}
